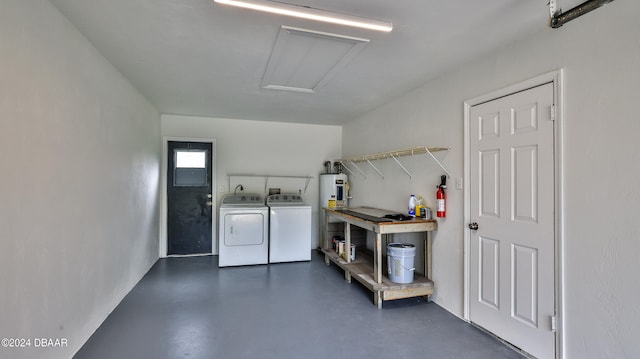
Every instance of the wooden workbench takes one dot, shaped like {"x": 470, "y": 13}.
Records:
{"x": 368, "y": 270}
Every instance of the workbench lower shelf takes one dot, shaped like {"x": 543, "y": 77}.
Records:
{"x": 362, "y": 270}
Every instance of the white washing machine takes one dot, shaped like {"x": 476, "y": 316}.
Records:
{"x": 289, "y": 228}
{"x": 243, "y": 231}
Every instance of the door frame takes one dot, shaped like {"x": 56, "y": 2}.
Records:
{"x": 163, "y": 210}
{"x": 555, "y": 77}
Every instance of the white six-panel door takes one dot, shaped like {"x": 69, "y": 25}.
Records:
{"x": 512, "y": 251}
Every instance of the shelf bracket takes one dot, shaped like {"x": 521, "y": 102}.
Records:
{"x": 438, "y": 162}
{"x": 377, "y": 170}
{"x": 401, "y": 166}
{"x": 344, "y": 165}
{"x": 358, "y": 168}
{"x": 306, "y": 185}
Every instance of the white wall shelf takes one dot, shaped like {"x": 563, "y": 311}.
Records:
{"x": 393, "y": 155}
{"x": 267, "y": 177}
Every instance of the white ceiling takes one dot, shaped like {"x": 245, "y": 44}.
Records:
{"x": 196, "y": 57}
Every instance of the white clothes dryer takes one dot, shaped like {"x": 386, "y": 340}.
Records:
{"x": 289, "y": 228}
{"x": 243, "y": 233}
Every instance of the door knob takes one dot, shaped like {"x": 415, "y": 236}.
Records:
{"x": 473, "y": 226}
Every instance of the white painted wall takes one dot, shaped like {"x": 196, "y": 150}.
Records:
{"x": 264, "y": 148}
{"x": 79, "y": 157}
{"x": 601, "y": 55}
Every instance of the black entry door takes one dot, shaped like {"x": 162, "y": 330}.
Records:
{"x": 189, "y": 198}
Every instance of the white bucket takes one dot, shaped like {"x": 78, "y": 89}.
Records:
{"x": 343, "y": 253}
{"x": 400, "y": 262}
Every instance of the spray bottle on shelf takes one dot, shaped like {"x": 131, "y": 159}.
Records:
{"x": 441, "y": 197}
{"x": 419, "y": 205}
{"x": 412, "y": 206}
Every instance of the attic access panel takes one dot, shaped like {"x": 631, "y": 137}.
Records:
{"x": 305, "y": 60}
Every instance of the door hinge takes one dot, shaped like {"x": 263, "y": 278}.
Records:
{"x": 552, "y": 113}
{"x": 553, "y": 323}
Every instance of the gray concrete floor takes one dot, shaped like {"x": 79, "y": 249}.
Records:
{"x": 189, "y": 308}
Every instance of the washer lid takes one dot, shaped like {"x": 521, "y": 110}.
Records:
{"x": 287, "y": 198}
{"x": 243, "y": 200}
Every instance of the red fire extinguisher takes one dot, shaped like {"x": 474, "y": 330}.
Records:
{"x": 441, "y": 197}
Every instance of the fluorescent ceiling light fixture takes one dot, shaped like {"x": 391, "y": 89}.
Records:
{"x": 310, "y": 13}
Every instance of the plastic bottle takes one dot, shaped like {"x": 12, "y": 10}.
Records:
{"x": 332, "y": 201}
{"x": 419, "y": 206}
{"x": 412, "y": 206}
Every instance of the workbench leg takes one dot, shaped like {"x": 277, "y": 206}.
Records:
{"x": 347, "y": 242}
{"x": 347, "y": 250}
{"x": 377, "y": 263}
{"x": 377, "y": 298}
{"x": 325, "y": 242}
{"x": 427, "y": 257}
